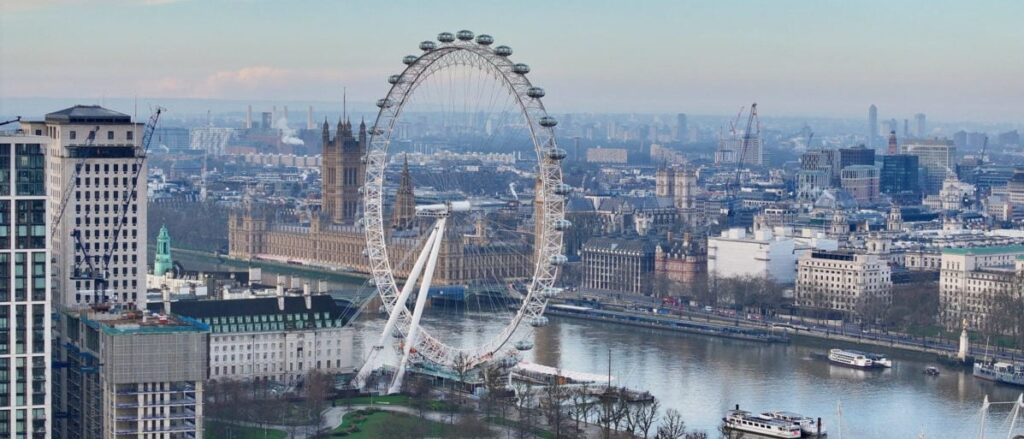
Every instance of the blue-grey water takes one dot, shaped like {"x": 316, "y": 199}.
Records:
{"x": 702, "y": 377}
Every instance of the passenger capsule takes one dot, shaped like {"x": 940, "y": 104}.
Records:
{"x": 362, "y": 159}
{"x": 503, "y": 51}
{"x": 558, "y": 260}
{"x": 521, "y": 69}
{"x": 366, "y": 252}
{"x": 484, "y": 40}
{"x": 445, "y": 37}
{"x": 376, "y": 132}
{"x": 535, "y": 92}
{"x": 372, "y": 282}
{"x": 427, "y": 46}
{"x": 539, "y": 321}
{"x": 464, "y": 35}
{"x": 563, "y": 189}
{"x": 393, "y": 79}
{"x": 409, "y": 59}
{"x": 562, "y": 225}
{"x": 550, "y": 292}
{"x": 524, "y": 345}
{"x": 548, "y": 122}
{"x": 383, "y": 103}
{"x": 555, "y": 153}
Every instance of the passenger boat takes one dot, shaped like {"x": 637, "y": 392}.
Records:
{"x": 878, "y": 360}
{"x": 809, "y": 426}
{"x": 1000, "y": 372}
{"x": 742, "y": 420}
{"x": 850, "y": 358}
{"x": 931, "y": 371}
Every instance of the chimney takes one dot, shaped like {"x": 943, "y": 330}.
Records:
{"x": 280, "y": 295}
{"x": 307, "y": 296}
{"x": 248, "y": 118}
{"x": 310, "y": 125}
{"x": 167, "y": 299}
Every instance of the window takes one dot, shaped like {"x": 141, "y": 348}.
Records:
{"x": 131, "y": 135}
{"x": 30, "y": 168}
{"x": 110, "y": 135}
{"x": 73, "y": 135}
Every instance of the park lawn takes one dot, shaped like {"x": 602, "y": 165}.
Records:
{"x": 505, "y": 422}
{"x": 370, "y": 426}
{"x": 242, "y": 432}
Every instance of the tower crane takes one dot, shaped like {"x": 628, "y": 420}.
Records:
{"x": 748, "y": 136}
{"x": 16, "y": 119}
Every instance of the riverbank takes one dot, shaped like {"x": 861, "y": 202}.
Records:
{"x": 200, "y": 260}
{"x": 760, "y": 330}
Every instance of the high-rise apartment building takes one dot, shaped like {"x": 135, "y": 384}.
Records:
{"x": 872, "y": 125}
{"x": 25, "y": 289}
{"x": 129, "y": 375}
{"x": 99, "y": 243}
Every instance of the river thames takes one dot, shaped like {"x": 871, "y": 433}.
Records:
{"x": 702, "y": 377}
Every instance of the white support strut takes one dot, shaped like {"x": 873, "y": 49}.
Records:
{"x": 421, "y": 301}
{"x": 398, "y": 307}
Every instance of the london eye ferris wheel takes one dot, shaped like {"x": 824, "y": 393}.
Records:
{"x": 462, "y": 90}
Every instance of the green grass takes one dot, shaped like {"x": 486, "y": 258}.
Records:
{"x": 405, "y": 400}
{"x": 370, "y": 424}
{"x": 240, "y": 432}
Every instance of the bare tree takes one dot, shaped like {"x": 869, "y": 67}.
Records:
{"x": 672, "y": 427}
{"x": 525, "y": 400}
{"x": 318, "y": 388}
{"x": 553, "y": 406}
{"x": 580, "y": 405}
{"x": 646, "y": 416}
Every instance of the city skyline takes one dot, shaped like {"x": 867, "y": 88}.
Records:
{"x": 949, "y": 61}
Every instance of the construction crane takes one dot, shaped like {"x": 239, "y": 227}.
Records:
{"x": 16, "y": 119}
{"x": 72, "y": 184}
{"x": 984, "y": 148}
{"x": 748, "y": 136}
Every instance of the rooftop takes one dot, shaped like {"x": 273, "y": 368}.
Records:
{"x": 86, "y": 114}
{"x": 993, "y": 250}
{"x": 134, "y": 322}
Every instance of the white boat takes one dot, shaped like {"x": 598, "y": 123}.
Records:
{"x": 1000, "y": 371}
{"x": 745, "y": 421}
{"x": 809, "y": 426}
{"x": 850, "y": 358}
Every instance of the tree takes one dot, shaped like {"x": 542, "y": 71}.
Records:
{"x": 646, "y": 415}
{"x": 672, "y": 427}
{"x": 318, "y": 388}
{"x": 913, "y": 304}
{"x": 1006, "y": 311}
{"x": 553, "y": 406}
{"x": 580, "y": 405}
{"x": 524, "y": 400}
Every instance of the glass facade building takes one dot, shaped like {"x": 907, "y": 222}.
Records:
{"x": 900, "y": 175}
{"x": 25, "y": 345}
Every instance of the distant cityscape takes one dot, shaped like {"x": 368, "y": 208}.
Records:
{"x": 459, "y": 258}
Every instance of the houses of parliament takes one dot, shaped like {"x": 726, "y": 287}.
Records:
{"x": 333, "y": 237}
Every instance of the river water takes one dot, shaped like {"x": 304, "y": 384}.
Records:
{"x": 702, "y": 377}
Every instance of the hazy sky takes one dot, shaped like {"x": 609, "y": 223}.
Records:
{"x": 952, "y": 60}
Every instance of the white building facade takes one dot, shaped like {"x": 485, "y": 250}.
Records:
{"x": 842, "y": 281}
{"x": 277, "y": 339}
{"x": 971, "y": 278}
{"x": 106, "y": 148}
{"x": 761, "y": 254}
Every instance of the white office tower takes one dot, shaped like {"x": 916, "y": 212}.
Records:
{"x": 98, "y": 216}
{"x": 25, "y": 346}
